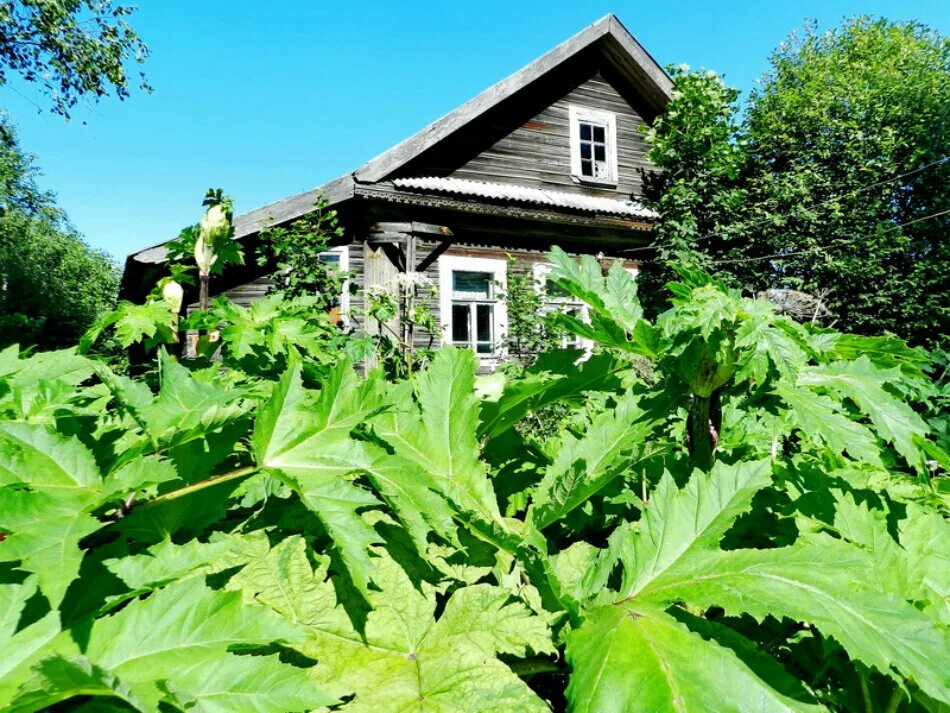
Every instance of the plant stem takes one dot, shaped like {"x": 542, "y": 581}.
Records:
{"x": 203, "y": 281}
{"x": 201, "y": 485}
{"x": 897, "y": 697}
{"x": 865, "y": 692}
{"x": 700, "y": 438}
{"x": 531, "y": 667}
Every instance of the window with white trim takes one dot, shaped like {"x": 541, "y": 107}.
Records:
{"x": 340, "y": 256}
{"x": 557, "y": 299}
{"x": 593, "y": 145}
{"x": 471, "y": 311}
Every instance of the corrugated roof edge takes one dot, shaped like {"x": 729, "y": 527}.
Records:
{"x": 527, "y": 194}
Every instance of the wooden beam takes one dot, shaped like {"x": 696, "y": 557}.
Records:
{"x": 433, "y": 256}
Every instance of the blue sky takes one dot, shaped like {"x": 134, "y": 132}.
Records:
{"x": 270, "y": 99}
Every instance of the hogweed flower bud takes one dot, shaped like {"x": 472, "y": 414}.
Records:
{"x": 173, "y": 294}
{"x": 215, "y": 226}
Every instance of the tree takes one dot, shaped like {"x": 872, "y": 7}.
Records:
{"x": 71, "y": 48}
{"x": 839, "y": 117}
{"x": 834, "y": 182}
{"x": 53, "y": 284}
{"x": 297, "y": 255}
{"x": 695, "y": 145}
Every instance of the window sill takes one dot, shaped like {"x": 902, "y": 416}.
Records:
{"x": 587, "y": 180}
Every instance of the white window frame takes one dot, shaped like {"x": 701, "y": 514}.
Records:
{"x": 498, "y": 268}
{"x": 344, "y": 264}
{"x": 541, "y": 272}
{"x": 578, "y": 114}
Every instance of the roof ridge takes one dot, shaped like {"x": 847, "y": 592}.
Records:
{"x": 383, "y": 165}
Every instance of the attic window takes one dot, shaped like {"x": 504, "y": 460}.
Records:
{"x": 593, "y": 145}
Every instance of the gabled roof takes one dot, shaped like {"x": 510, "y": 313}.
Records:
{"x": 608, "y": 33}
{"x": 607, "y": 36}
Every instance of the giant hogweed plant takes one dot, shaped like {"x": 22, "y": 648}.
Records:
{"x": 755, "y": 520}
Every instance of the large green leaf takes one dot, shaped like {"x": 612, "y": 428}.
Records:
{"x": 196, "y": 418}
{"x": 21, "y": 645}
{"x": 819, "y": 417}
{"x": 59, "y": 678}
{"x": 612, "y": 297}
{"x": 635, "y": 657}
{"x": 166, "y": 562}
{"x": 925, "y": 538}
{"x": 37, "y": 456}
{"x": 916, "y": 565}
{"x": 827, "y": 583}
{"x": 50, "y": 484}
{"x": 175, "y": 632}
{"x": 863, "y": 383}
{"x": 404, "y": 659}
{"x": 555, "y": 377}
{"x": 438, "y": 436}
{"x": 585, "y": 465}
{"x": 185, "y": 405}
{"x": 307, "y": 442}
{"x": 679, "y": 524}
{"x": 246, "y": 684}
{"x": 761, "y": 343}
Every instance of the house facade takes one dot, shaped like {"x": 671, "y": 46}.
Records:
{"x": 552, "y": 155}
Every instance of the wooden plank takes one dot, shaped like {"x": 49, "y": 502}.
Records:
{"x": 539, "y": 154}
{"x": 607, "y": 28}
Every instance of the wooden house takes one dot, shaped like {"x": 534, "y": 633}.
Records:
{"x": 554, "y": 154}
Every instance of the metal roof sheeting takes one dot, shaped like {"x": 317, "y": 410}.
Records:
{"x": 523, "y": 194}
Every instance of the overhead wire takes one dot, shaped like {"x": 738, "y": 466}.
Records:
{"x": 820, "y": 204}
{"x": 782, "y": 256}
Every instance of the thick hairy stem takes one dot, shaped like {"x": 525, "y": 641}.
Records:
{"x": 700, "y": 439}
{"x": 704, "y": 423}
{"x": 203, "y": 292}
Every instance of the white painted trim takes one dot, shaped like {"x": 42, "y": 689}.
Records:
{"x": 498, "y": 267}
{"x": 609, "y": 119}
{"x": 344, "y": 252}
{"x": 541, "y": 270}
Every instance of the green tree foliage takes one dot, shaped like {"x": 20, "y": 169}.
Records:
{"x": 54, "y": 286}
{"x": 696, "y": 147}
{"x": 755, "y": 522}
{"x": 297, "y": 255}
{"x": 839, "y": 168}
{"x": 839, "y": 115}
{"x": 72, "y": 48}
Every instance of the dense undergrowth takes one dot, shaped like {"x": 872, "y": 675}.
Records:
{"x": 730, "y": 511}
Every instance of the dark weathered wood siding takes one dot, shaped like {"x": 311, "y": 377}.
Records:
{"x": 538, "y": 153}
{"x": 248, "y": 292}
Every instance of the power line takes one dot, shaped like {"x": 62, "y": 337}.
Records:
{"x": 763, "y": 221}
{"x": 782, "y": 256}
